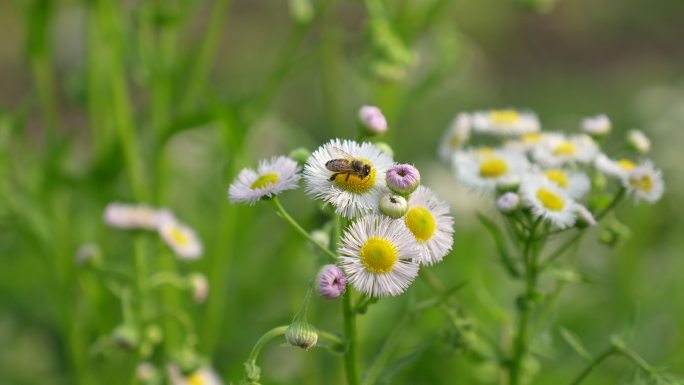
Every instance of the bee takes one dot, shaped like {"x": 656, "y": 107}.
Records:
{"x": 347, "y": 164}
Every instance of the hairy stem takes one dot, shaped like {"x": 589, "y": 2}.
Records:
{"x": 283, "y": 214}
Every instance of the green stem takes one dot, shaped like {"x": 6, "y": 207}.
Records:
{"x": 520, "y": 346}
{"x": 432, "y": 281}
{"x": 350, "y": 365}
{"x": 385, "y": 352}
{"x": 263, "y": 340}
{"x": 283, "y": 214}
{"x": 330, "y": 337}
{"x": 618, "y": 197}
{"x": 561, "y": 250}
{"x": 594, "y": 363}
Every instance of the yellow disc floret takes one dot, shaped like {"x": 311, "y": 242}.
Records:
{"x": 557, "y": 176}
{"x": 264, "y": 181}
{"x": 565, "y": 148}
{"x": 356, "y": 183}
{"x": 195, "y": 379}
{"x": 550, "y": 199}
{"x": 378, "y": 255}
{"x": 533, "y": 137}
{"x": 504, "y": 116}
{"x": 643, "y": 183}
{"x": 179, "y": 236}
{"x": 493, "y": 167}
{"x": 626, "y": 164}
{"x": 421, "y": 223}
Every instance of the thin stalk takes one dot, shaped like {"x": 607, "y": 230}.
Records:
{"x": 283, "y": 214}
{"x": 618, "y": 197}
{"x": 432, "y": 281}
{"x": 561, "y": 250}
{"x": 385, "y": 352}
{"x": 350, "y": 364}
{"x": 263, "y": 340}
{"x": 594, "y": 363}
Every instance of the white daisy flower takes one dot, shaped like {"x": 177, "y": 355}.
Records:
{"x": 615, "y": 168}
{"x": 584, "y": 217}
{"x": 376, "y": 254}
{"x": 135, "y": 216}
{"x": 351, "y": 193}
{"x": 202, "y": 376}
{"x": 505, "y": 122}
{"x": 431, "y": 225}
{"x": 596, "y": 126}
{"x": 548, "y": 201}
{"x": 181, "y": 239}
{"x": 639, "y": 141}
{"x": 455, "y": 137}
{"x": 557, "y": 150}
{"x": 528, "y": 142}
{"x": 574, "y": 183}
{"x": 272, "y": 177}
{"x": 644, "y": 182}
{"x": 481, "y": 169}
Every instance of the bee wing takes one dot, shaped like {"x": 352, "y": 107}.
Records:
{"x": 340, "y": 152}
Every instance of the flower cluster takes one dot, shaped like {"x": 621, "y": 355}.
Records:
{"x": 178, "y": 236}
{"x": 395, "y": 224}
{"x": 560, "y": 178}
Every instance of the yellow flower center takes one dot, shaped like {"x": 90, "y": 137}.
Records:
{"x": 421, "y": 223}
{"x": 378, "y": 255}
{"x": 550, "y": 200}
{"x": 504, "y": 116}
{"x": 557, "y": 176}
{"x": 565, "y": 148}
{"x": 644, "y": 183}
{"x": 484, "y": 151}
{"x": 195, "y": 379}
{"x": 626, "y": 164}
{"x": 179, "y": 236}
{"x": 531, "y": 138}
{"x": 455, "y": 141}
{"x": 264, "y": 181}
{"x": 356, "y": 183}
{"x": 493, "y": 167}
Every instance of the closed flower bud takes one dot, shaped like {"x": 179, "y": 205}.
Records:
{"x": 584, "y": 217}
{"x": 88, "y": 255}
{"x": 639, "y": 141}
{"x": 372, "y": 121}
{"x": 386, "y": 148}
{"x": 508, "y": 203}
{"x": 322, "y": 237}
{"x": 394, "y": 206}
{"x": 301, "y": 334}
{"x": 300, "y": 155}
{"x": 200, "y": 287}
{"x": 126, "y": 337}
{"x": 596, "y": 126}
{"x": 403, "y": 179}
{"x": 331, "y": 282}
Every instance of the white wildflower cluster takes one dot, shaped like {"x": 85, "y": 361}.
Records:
{"x": 395, "y": 224}
{"x": 178, "y": 236}
{"x": 560, "y": 178}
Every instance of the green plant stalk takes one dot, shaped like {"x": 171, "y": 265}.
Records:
{"x": 387, "y": 348}
{"x": 263, "y": 340}
{"x": 349, "y": 318}
{"x": 521, "y": 339}
{"x": 283, "y": 214}
{"x": 594, "y": 363}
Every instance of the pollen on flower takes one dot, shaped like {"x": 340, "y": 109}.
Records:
{"x": 355, "y": 183}
{"x": 264, "y": 181}
{"x": 550, "y": 200}
{"x": 557, "y": 176}
{"x": 626, "y": 164}
{"x": 643, "y": 183}
{"x": 533, "y": 137}
{"x": 195, "y": 379}
{"x": 493, "y": 167}
{"x": 565, "y": 148}
{"x": 378, "y": 255}
{"x": 504, "y": 116}
{"x": 421, "y": 223}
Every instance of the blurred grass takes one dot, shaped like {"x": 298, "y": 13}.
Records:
{"x": 164, "y": 101}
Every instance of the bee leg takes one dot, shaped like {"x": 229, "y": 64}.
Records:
{"x": 333, "y": 176}
{"x": 347, "y": 179}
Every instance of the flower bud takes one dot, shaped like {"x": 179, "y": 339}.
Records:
{"x": 386, "y": 148}
{"x": 403, "y": 179}
{"x": 88, "y": 255}
{"x": 596, "y": 126}
{"x": 301, "y": 334}
{"x": 639, "y": 141}
{"x": 322, "y": 237}
{"x": 300, "y": 155}
{"x": 154, "y": 334}
{"x": 331, "y": 282}
{"x": 508, "y": 203}
{"x": 302, "y": 11}
{"x": 188, "y": 360}
{"x": 371, "y": 120}
{"x": 394, "y": 206}
{"x": 200, "y": 287}
{"x": 126, "y": 337}
{"x": 584, "y": 217}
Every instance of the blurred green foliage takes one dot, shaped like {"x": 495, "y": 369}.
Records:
{"x": 163, "y": 101}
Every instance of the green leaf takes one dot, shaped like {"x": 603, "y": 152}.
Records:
{"x": 575, "y": 344}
